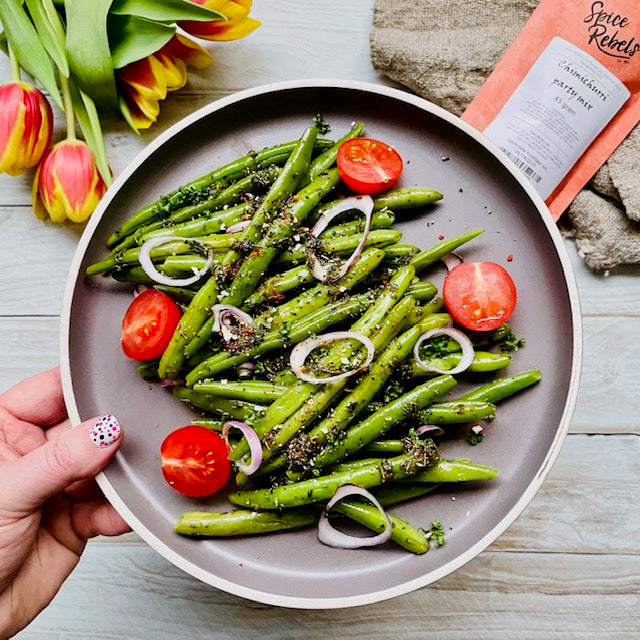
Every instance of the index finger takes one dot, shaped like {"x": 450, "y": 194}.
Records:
{"x": 37, "y": 399}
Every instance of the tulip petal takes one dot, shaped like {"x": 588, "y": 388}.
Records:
{"x": 191, "y": 52}
{"x": 146, "y": 77}
{"x": 175, "y": 71}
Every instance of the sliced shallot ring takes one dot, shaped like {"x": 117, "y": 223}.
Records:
{"x": 430, "y": 430}
{"x": 462, "y": 339}
{"x": 221, "y": 312}
{"x": 301, "y": 351}
{"x": 255, "y": 446}
{"x": 238, "y": 226}
{"x": 364, "y": 204}
{"x": 329, "y": 535}
{"x": 144, "y": 257}
{"x": 452, "y": 259}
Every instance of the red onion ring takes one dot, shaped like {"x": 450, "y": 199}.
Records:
{"x": 239, "y": 226}
{"x": 144, "y": 257}
{"x": 363, "y": 204}
{"x": 462, "y": 339}
{"x": 139, "y": 288}
{"x": 330, "y": 536}
{"x": 301, "y": 351}
{"x": 222, "y": 312}
{"x": 451, "y": 260}
{"x": 255, "y": 446}
{"x": 430, "y": 429}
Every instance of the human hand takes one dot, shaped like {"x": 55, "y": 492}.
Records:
{"x": 50, "y": 504}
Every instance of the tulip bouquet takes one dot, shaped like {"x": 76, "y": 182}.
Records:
{"x": 90, "y": 55}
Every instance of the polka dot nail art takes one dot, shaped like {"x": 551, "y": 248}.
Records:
{"x": 105, "y": 431}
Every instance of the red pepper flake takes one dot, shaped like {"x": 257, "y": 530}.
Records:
{"x": 510, "y": 257}
{"x": 440, "y": 237}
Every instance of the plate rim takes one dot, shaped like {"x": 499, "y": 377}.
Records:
{"x": 300, "y": 602}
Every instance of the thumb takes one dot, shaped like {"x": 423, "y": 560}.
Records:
{"x": 78, "y": 454}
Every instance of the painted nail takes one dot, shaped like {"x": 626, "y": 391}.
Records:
{"x": 105, "y": 431}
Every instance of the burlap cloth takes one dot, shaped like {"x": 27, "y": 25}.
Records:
{"x": 443, "y": 50}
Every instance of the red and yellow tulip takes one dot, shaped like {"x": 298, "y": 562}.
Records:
{"x": 67, "y": 183}
{"x": 145, "y": 82}
{"x": 237, "y": 25}
{"x": 25, "y": 127}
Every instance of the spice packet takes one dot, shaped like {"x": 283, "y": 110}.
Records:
{"x": 565, "y": 94}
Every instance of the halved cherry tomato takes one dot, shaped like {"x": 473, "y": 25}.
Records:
{"x": 194, "y": 461}
{"x": 368, "y": 166}
{"x": 148, "y": 325}
{"x": 479, "y": 295}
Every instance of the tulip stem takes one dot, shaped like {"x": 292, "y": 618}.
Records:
{"x": 15, "y": 65}
{"x": 68, "y": 107}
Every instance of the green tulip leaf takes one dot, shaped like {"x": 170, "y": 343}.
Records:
{"x": 49, "y": 27}
{"x": 133, "y": 38}
{"x": 25, "y": 43}
{"x": 86, "y": 114}
{"x": 126, "y": 114}
{"x": 88, "y": 50}
{"x": 166, "y": 11}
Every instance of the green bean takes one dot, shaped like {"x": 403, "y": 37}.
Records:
{"x": 407, "y": 198}
{"x": 394, "y": 199}
{"x": 342, "y": 245}
{"x": 457, "y": 412}
{"x": 248, "y": 390}
{"x": 379, "y": 220}
{"x": 440, "y": 250}
{"x": 184, "y": 194}
{"x": 324, "y": 487}
{"x": 190, "y": 323}
{"x": 443, "y": 471}
{"x": 379, "y": 422}
{"x": 503, "y": 388}
{"x": 422, "y": 291}
{"x": 328, "y": 157}
{"x": 218, "y": 221}
{"x": 215, "y": 424}
{"x": 455, "y": 471}
{"x": 483, "y": 362}
{"x": 228, "y": 408}
{"x": 279, "y": 284}
{"x": 242, "y": 522}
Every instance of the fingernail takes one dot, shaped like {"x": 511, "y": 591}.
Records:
{"x": 105, "y": 432}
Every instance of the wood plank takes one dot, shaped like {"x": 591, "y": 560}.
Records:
{"x": 608, "y": 390}
{"x": 137, "y": 595}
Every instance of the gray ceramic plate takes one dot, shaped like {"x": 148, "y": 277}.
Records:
{"x": 481, "y": 190}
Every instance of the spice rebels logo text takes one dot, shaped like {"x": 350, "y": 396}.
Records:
{"x": 611, "y": 32}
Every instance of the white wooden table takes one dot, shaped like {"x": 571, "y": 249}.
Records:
{"x": 569, "y": 567}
